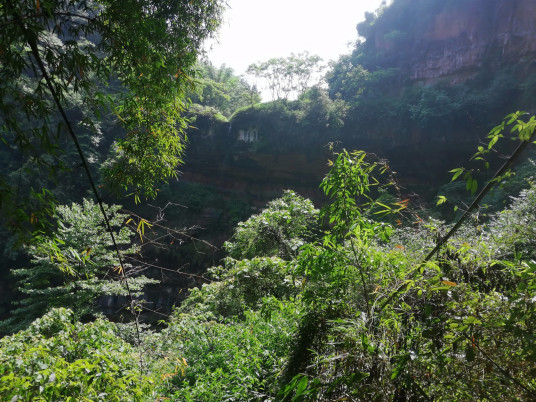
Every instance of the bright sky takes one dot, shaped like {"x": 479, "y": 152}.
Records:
{"x": 257, "y": 30}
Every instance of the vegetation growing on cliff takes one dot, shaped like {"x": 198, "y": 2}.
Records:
{"x": 322, "y": 307}
{"x": 379, "y": 77}
{"x": 366, "y": 299}
{"x": 390, "y": 97}
{"x": 219, "y": 88}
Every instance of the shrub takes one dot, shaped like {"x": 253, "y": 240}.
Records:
{"x": 279, "y": 230}
{"x": 59, "y": 359}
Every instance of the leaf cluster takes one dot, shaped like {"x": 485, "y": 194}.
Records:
{"x": 58, "y": 50}
{"x": 280, "y": 230}
{"x": 74, "y": 266}
{"x": 57, "y": 358}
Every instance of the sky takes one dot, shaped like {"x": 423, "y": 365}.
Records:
{"x": 257, "y": 30}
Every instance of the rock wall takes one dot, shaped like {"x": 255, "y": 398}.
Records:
{"x": 461, "y": 41}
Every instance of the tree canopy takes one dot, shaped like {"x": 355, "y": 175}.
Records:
{"x": 222, "y": 89}
{"x": 288, "y": 76}
{"x": 134, "y": 59}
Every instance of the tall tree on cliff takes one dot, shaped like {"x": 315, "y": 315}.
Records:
{"x": 288, "y": 76}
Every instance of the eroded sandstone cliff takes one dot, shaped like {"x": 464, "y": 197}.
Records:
{"x": 462, "y": 39}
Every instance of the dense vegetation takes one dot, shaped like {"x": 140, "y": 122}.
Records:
{"x": 367, "y": 298}
{"x": 92, "y": 101}
{"x": 311, "y": 305}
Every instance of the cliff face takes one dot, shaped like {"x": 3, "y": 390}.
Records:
{"x": 450, "y": 41}
{"x": 478, "y": 34}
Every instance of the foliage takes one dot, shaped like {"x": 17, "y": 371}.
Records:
{"x": 511, "y": 231}
{"x": 75, "y": 265}
{"x": 287, "y": 76}
{"x": 276, "y": 123}
{"x": 233, "y": 334}
{"x": 423, "y": 322}
{"x": 242, "y": 285}
{"x": 221, "y": 89}
{"x": 522, "y": 128}
{"x": 303, "y": 125}
{"x": 319, "y": 109}
{"x": 57, "y": 358}
{"x": 279, "y": 230}
{"x": 71, "y": 73}
{"x": 226, "y": 361}
{"x": 414, "y": 119}
{"x": 358, "y": 311}
{"x": 357, "y": 314}
{"x": 57, "y": 50}
{"x": 256, "y": 266}
{"x": 200, "y": 113}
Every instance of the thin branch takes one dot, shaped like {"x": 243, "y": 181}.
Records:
{"x": 520, "y": 148}
{"x": 176, "y": 271}
{"x": 73, "y": 15}
{"x": 175, "y": 231}
{"x": 505, "y": 372}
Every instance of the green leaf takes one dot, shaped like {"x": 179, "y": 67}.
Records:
{"x": 302, "y": 385}
{"x": 511, "y": 118}
{"x": 457, "y": 172}
{"x": 474, "y": 186}
{"x": 400, "y": 367}
{"x": 493, "y": 141}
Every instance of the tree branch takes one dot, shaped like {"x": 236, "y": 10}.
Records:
{"x": 520, "y": 148}
{"x": 31, "y": 39}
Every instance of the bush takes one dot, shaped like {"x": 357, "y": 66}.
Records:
{"x": 242, "y": 285}
{"x": 279, "y": 230}
{"x": 228, "y": 361}
{"x": 59, "y": 359}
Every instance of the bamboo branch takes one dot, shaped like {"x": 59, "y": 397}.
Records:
{"x": 520, "y": 148}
